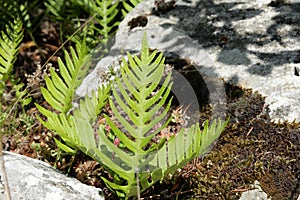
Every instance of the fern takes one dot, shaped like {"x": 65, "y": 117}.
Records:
{"x": 63, "y": 10}
{"x": 107, "y": 11}
{"x": 10, "y": 41}
{"x": 9, "y": 48}
{"x": 56, "y": 8}
{"x": 26, "y": 11}
{"x": 104, "y": 24}
{"x": 9, "y": 11}
{"x": 61, "y": 88}
{"x": 139, "y": 103}
{"x": 132, "y": 96}
{"x": 107, "y": 15}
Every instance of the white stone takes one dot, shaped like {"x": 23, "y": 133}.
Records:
{"x": 31, "y": 179}
{"x": 255, "y": 194}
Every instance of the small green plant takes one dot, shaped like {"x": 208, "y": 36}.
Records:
{"x": 10, "y": 41}
{"x": 127, "y": 145}
{"x": 107, "y": 16}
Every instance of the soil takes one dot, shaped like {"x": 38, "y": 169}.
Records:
{"x": 251, "y": 148}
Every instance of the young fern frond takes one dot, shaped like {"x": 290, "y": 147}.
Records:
{"x": 9, "y": 48}
{"x": 61, "y": 88}
{"x": 63, "y": 10}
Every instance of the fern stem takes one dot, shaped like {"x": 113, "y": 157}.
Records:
{"x": 138, "y": 191}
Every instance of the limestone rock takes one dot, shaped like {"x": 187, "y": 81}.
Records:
{"x": 250, "y": 43}
{"x": 31, "y": 179}
{"x": 255, "y": 194}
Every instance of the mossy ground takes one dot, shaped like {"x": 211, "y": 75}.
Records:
{"x": 251, "y": 148}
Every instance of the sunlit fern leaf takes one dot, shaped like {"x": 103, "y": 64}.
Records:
{"x": 185, "y": 146}
{"x": 210, "y": 133}
{"x": 9, "y": 48}
{"x": 176, "y": 153}
{"x": 134, "y": 97}
{"x": 59, "y": 93}
{"x": 76, "y": 129}
{"x": 61, "y": 88}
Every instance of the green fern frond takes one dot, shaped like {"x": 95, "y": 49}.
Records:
{"x": 56, "y": 8}
{"x": 139, "y": 111}
{"x": 139, "y": 81}
{"x": 107, "y": 11}
{"x": 210, "y": 133}
{"x": 61, "y": 88}
{"x": 60, "y": 92}
{"x": 9, "y": 48}
{"x": 21, "y": 94}
{"x": 88, "y": 5}
{"x": 23, "y": 10}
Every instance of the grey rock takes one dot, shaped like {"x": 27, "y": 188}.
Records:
{"x": 255, "y": 194}
{"x": 248, "y": 43}
{"x": 31, "y": 179}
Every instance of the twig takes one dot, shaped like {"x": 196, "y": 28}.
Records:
{"x": 3, "y": 171}
{"x": 240, "y": 190}
{"x": 249, "y": 131}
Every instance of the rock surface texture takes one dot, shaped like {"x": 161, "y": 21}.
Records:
{"x": 251, "y": 43}
{"x": 31, "y": 179}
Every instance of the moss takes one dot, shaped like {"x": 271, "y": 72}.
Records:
{"x": 251, "y": 148}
